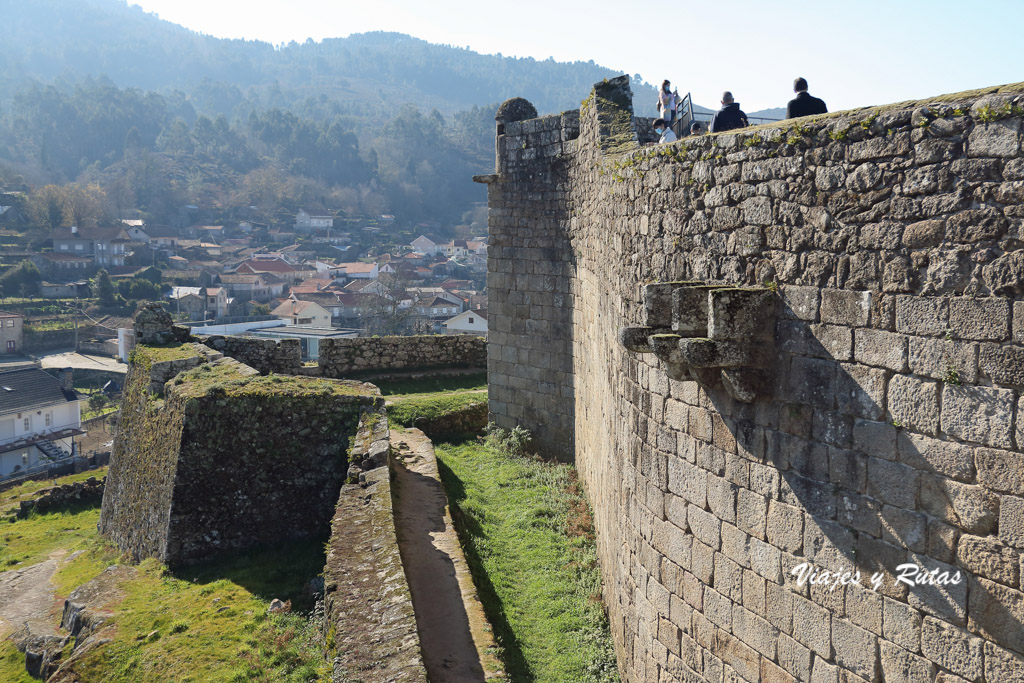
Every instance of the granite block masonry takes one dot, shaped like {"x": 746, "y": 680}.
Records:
{"x": 212, "y": 457}
{"x": 891, "y": 432}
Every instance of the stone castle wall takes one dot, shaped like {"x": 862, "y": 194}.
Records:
{"x": 889, "y": 431}
{"x": 344, "y": 357}
{"x": 212, "y": 457}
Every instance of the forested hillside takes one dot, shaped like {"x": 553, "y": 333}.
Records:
{"x": 139, "y": 113}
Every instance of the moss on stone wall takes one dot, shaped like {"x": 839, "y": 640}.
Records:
{"x": 227, "y": 458}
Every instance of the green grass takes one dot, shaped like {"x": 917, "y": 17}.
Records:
{"x": 12, "y": 664}
{"x": 24, "y": 491}
{"x": 207, "y": 378}
{"x": 433, "y": 384}
{"x": 196, "y": 638}
{"x": 28, "y": 541}
{"x": 210, "y": 623}
{"x": 526, "y": 530}
{"x": 404, "y": 412}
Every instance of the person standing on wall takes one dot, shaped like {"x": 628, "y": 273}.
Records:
{"x": 804, "y": 104}
{"x": 730, "y": 116}
{"x": 668, "y": 101}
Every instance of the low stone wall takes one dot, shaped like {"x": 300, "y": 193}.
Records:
{"x": 48, "y": 340}
{"x": 371, "y": 446}
{"x": 98, "y": 347}
{"x": 281, "y": 356}
{"x": 470, "y": 419}
{"x": 342, "y": 357}
{"x": 90, "y": 490}
{"x": 371, "y": 626}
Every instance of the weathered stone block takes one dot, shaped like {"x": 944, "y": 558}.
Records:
{"x": 996, "y": 139}
{"x": 1011, "y": 521}
{"x": 904, "y": 528}
{"x": 901, "y": 624}
{"x": 801, "y": 303}
{"x": 1003, "y": 364}
{"x": 945, "y": 601}
{"x": 860, "y": 391}
{"x": 978, "y": 414}
{"x": 974, "y": 509}
{"x": 881, "y": 349}
{"x": 951, "y": 361}
{"x": 952, "y": 648}
{"x": 875, "y": 438}
{"x": 924, "y": 234}
{"x": 901, "y": 666}
{"x": 989, "y": 558}
{"x": 844, "y": 307}
{"x": 914, "y": 403}
{"x": 921, "y": 315}
{"x": 813, "y": 381}
{"x": 952, "y": 459}
{"x": 979, "y": 319}
{"x": 997, "y": 612}
{"x": 1000, "y": 470}
{"x": 812, "y": 626}
{"x": 1002, "y": 665}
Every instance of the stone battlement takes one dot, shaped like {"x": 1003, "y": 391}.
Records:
{"x": 889, "y": 242}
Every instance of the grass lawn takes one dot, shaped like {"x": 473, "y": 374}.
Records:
{"x": 203, "y": 623}
{"x": 404, "y": 411}
{"x": 434, "y": 384}
{"x": 528, "y": 537}
{"x": 26, "y": 490}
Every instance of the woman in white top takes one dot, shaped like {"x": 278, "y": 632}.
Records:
{"x": 667, "y": 102}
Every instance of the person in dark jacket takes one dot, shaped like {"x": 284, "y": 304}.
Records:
{"x": 804, "y": 104}
{"x": 729, "y": 117}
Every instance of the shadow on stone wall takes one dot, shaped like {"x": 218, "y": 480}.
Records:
{"x": 862, "y": 477}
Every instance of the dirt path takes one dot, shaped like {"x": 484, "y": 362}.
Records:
{"x": 27, "y": 595}
{"x": 454, "y": 633}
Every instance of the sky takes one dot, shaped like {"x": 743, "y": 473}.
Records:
{"x": 859, "y": 53}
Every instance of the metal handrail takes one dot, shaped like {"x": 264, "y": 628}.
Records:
{"x": 685, "y": 116}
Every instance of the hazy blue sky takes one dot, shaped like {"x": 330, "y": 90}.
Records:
{"x": 853, "y": 53}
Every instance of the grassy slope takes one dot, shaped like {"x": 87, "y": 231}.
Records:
{"x": 193, "y": 641}
{"x": 526, "y": 530}
{"x": 404, "y": 411}
{"x": 437, "y": 383}
{"x": 431, "y": 396}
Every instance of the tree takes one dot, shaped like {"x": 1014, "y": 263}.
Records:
{"x": 103, "y": 288}
{"x": 48, "y": 207}
{"x": 384, "y": 313}
{"x": 260, "y": 309}
{"x": 22, "y": 280}
{"x": 84, "y": 204}
{"x": 98, "y": 402}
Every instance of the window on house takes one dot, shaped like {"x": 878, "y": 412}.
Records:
{"x": 470, "y": 321}
{"x": 27, "y": 422}
{"x": 10, "y": 322}
{"x": 63, "y": 247}
{"x": 24, "y": 458}
{"x": 79, "y": 247}
{"x": 49, "y": 419}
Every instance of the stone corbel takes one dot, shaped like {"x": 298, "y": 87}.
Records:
{"x": 710, "y": 333}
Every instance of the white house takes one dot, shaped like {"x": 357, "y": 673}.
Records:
{"x": 468, "y": 322}
{"x": 305, "y": 313}
{"x": 360, "y": 271}
{"x": 425, "y": 245}
{"x": 306, "y": 222}
{"x": 39, "y": 418}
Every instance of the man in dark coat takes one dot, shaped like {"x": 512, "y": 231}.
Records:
{"x": 804, "y": 104}
{"x": 729, "y": 117}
